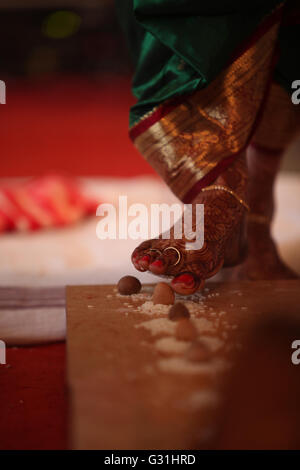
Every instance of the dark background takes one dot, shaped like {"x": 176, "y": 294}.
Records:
{"x": 67, "y": 73}
{"x": 52, "y": 37}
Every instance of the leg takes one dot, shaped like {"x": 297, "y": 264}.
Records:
{"x": 263, "y": 158}
{"x": 224, "y": 237}
{"x": 192, "y": 122}
{"x": 193, "y": 145}
{"x": 278, "y": 126}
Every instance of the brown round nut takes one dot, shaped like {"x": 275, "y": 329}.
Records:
{"x": 128, "y": 285}
{"x": 178, "y": 311}
{"x": 163, "y": 294}
{"x": 197, "y": 352}
{"x": 186, "y": 330}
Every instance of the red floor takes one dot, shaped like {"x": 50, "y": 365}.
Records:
{"x": 73, "y": 125}
{"x": 77, "y": 127}
{"x": 33, "y": 398}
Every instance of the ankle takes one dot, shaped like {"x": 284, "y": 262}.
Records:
{"x": 236, "y": 177}
{"x": 258, "y": 236}
{"x": 263, "y": 168}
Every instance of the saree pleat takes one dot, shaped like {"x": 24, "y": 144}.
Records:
{"x": 210, "y": 126}
{"x": 179, "y": 46}
{"x": 202, "y": 79}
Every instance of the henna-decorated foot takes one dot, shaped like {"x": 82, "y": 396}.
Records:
{"x": 263, "y": 261}
{"x": 224, "y": 237}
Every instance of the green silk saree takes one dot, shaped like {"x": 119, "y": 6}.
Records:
{"x": 202, "y": 74}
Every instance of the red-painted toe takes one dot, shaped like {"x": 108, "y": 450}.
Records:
{"x": 157, "y": 267}
{"x": 144, "y": 262}
{"x": 186, "y": 284}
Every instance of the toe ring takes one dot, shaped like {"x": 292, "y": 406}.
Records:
{"x": 178, "y": 254}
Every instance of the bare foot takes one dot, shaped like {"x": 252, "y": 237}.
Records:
{"x": 224, "y": 237}
{"x": 263, "y": 261}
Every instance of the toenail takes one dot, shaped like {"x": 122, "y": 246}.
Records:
{"x": 186, "y": 279}
{"x": 158, "y": 263}
{"x": 144, "y": 262}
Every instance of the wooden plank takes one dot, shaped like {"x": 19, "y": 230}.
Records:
{"x": 120, "y": 395}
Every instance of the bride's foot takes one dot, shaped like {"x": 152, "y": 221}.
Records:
{"x": 224, "y": 237}
{"x": 263, "y": 261}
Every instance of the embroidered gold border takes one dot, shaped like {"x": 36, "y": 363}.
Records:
{"x": 213, "y": 123}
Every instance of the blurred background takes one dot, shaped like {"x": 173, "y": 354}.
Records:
{"x": 67, "y": 73}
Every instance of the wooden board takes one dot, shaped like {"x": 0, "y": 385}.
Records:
{"x": 120, "y": 395}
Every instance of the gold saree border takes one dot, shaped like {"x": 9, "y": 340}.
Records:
{"x": 187, "y": 140}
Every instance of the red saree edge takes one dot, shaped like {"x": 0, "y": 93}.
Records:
{"x": 208, "y": 178}
{"x": 166, "y": 108}
{"x": 158, "y": 114}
